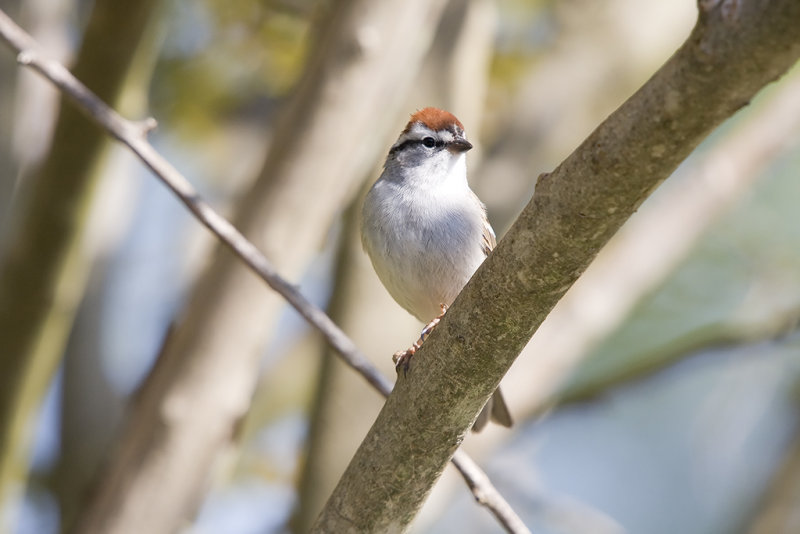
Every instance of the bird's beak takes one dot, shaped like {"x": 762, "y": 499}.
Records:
{"x": 458, "y": 145}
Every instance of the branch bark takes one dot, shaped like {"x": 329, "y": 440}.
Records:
{"x": 736, "y": 47}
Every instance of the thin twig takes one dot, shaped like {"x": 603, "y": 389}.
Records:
{"x": 486, "y": 494}
{"x": 134, "y": 136}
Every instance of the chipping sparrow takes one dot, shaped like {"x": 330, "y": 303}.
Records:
{"x": 425, "y": 230}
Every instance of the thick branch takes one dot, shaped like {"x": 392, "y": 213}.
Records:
{"x": 661, "y": 236}
{"x": 735, "y": 49}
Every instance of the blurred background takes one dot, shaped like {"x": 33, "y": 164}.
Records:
{"x": 660, "y": 396}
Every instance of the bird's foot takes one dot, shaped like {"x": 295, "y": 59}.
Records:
{"x": 431, "y": 325}
{"x": 402, "y": 359}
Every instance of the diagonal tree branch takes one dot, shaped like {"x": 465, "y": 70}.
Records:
{"x": 133, "y": 135}
{"x": 736, "y": 47}
{"x": 662, "y": 236}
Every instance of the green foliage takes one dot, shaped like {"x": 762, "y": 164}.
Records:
{"x": 223, "y": 59}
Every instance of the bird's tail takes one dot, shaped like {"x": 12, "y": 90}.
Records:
{"x": 495, "y": 410}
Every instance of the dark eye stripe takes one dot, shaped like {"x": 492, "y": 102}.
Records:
{"x": 412, "y": 142}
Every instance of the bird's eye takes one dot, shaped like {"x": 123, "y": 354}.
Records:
{"x": 429, "y": 142}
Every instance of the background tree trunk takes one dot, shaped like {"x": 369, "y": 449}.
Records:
{"x": 42, "y": 268}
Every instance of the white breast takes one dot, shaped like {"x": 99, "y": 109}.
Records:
{"x": 424, "y": 245}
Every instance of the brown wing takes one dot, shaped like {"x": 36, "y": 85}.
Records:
{"x": 489, "y": 240}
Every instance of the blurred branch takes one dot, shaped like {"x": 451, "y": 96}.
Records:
{"x": 601, "y": 54}
{"x": 783, "y": 323}
{"x": 648, "y": 249}
{"x": 9, "y": 164}
{"x": 42, "y": 269}
{"x": 133, "y": 135}
{"x": 780, "y": 506}
{"x": 486, "y": 494}
{"x": 735, "y": 49}
{"x": 90, "y": 407}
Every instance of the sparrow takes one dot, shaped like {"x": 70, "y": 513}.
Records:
{"x": 426, "y": 231}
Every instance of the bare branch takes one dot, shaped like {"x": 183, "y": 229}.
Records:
{"x": 486, "y": 494}
{"x": 780, "y": 324}
{"x": 736, "y": 48}
{"x": 133, "y": 135}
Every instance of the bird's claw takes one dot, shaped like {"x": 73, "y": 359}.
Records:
{"x": 402, "y": 359}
